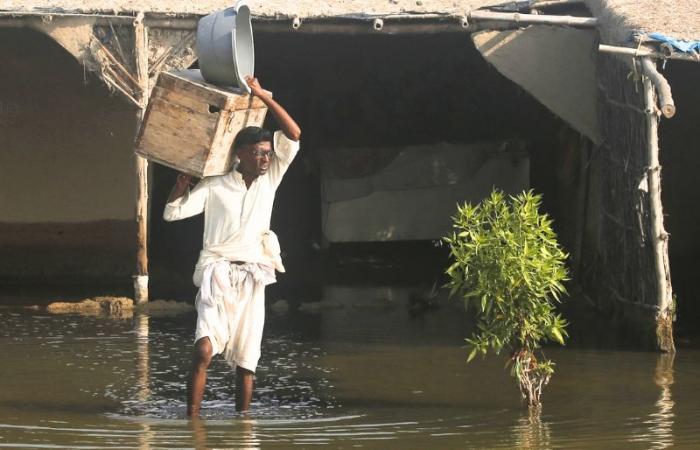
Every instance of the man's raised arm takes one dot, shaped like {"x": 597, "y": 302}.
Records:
{"x": 182, "y": 202}
{"x": 183, "y": 182}
{"x": 287, "y": 124}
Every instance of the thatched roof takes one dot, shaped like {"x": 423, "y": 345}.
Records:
{"x": 676, "y": 18}
{"x": 268, "y": 8}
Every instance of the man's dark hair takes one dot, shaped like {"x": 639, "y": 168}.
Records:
{"x": 251, "y": 136}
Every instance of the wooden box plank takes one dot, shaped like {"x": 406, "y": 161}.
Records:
{"x": 190, "y": 125}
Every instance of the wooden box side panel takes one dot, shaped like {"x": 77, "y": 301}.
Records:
{"x": 176, "y": 135}
{"x": 191, "y": 84}
{"x": 221, "y": 157}
{"x": 192, "y": 93}
{"x": 190, "y": 125}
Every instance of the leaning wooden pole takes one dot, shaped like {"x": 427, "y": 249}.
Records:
{"x": 664, "y": 314}
{"x": 141, "y": 59}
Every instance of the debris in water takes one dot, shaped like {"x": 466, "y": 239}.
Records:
{"x": 121, "y": 307}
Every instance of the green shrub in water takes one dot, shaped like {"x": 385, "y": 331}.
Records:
{"x": 506, "y": 263}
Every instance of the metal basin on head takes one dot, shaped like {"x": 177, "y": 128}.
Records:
{"x": 225, "y": 46}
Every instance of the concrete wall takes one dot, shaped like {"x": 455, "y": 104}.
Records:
{"x": 415, "y": 196}
{"x": 67, "y": 179}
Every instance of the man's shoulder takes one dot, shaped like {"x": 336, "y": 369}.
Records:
{"x": 214, "y": 180}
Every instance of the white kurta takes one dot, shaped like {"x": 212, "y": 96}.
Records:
{"x": 236, "y": 218}
{"x": 230, "y": 303}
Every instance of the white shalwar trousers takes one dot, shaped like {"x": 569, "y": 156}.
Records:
{"x": 231, "y": 310}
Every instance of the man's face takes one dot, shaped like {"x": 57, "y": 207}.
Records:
{"x": 255, "y": 159}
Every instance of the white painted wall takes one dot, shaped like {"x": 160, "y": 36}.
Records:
{"x": 415, "y": 196}
{"x": 65, "y": 143}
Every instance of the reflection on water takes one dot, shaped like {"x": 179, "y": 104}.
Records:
{"x": 142, "y": 358}
{"x": 365, "y": 367}
{"x": 531, "y": 432}
{"x": 244, "y": 430}
{"x": 657, "y": 429}
{"x": 142, "y": 375}
{"x": 661, "y": 421}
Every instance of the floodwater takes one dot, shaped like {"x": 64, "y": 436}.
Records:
{"x": 376, "y": 367}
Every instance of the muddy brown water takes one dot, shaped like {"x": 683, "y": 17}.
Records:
{"x": 365, "y": 368}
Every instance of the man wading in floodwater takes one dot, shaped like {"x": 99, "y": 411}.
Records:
{"x": 239, "y": 254}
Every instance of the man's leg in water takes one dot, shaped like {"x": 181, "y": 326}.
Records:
{"x": 201, "y": 358}
{"x": 244, "y": 389}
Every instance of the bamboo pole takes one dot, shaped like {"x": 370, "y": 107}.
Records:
{"x": 603, "y": 48}
{"x": 113, "y": 83}
{"x": 141, "y": 56}
{"x": 659, "y": 236}
{"x": 555, "y": 3}
{"x": 123, "y": 70}
{"x": 573, "y": 21}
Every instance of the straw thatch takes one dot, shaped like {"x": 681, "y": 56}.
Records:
{"x": 621, "y": 165}
{"x": 267, "y": 8}
{"x": 624, "y": 180}
{"x": 619, "y": 18}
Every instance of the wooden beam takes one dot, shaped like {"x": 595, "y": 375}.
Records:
{"x": 404, "y": 24}
{"x": 571, "y": 21}
{"x": 141, "y": 57}
{"x": 392, "y": 24}
{"x": 659, "y": 236}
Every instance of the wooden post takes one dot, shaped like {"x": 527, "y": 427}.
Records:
{"x": 664, "y": 314}
{"x": 141, "y": 57}
{"x": 663, "y": 89}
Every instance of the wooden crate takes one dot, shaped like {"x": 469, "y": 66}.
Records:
{"x": 190, "y": 125}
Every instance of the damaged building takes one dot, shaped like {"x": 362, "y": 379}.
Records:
{"x": 407, "y": 108}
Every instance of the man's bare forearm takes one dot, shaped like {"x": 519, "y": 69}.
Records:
{"x": 287, "y": 124}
